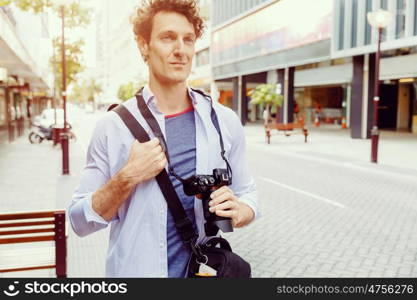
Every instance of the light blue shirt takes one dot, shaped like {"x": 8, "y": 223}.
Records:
{"x": 138, "y": 234}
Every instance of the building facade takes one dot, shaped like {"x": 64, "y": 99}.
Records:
{"x": 321, "y": 57}
{"x": 24, "y": 75}
{"x": 118, "y": 57}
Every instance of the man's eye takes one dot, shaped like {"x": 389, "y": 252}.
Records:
{"x": 189, "y": 40}
{"x": 167, "y": 38}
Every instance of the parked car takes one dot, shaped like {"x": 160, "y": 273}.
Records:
{"x": 47, "y": 117}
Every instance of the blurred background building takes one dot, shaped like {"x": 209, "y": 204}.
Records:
{"x": 25, "y": 48}
{"x": 118, "y": 58}
{"x": 321, "y": 57}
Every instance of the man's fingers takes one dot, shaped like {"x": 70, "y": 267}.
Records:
{"x": 223, "y": 206}
{"x": 218, "y": 192}
{"x": 221, "y": 198}
{"x": 226, "y": 213}
{"x": 152, "y": 143}
{"x": 157, "y": 150}
{"x": 163, "y": 163}
{"x": 159, "y": 157}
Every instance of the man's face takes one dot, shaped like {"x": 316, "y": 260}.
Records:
{"x": 171, "y": 48}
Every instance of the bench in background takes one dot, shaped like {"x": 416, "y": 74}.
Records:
{"x": 33, "y": 227}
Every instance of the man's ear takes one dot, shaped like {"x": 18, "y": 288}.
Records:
{"x": 143, "y": 48}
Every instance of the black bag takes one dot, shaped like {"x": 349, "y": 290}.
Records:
{"x": 222, "y": 261}
{"x": 226, "y": 263}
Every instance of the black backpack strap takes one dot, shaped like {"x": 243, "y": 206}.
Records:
{"x": 182, "y": 222}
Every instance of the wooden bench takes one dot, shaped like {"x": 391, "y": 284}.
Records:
{"x": 287, "y": 128}
{"x": 33, "y": 227}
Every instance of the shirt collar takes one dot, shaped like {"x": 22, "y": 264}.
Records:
{"x": 149, "y": 97}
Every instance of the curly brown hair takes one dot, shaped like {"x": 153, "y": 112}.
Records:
{"x": 143, "y": 19}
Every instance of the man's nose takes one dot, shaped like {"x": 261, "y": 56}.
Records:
{"x": 179, "y": 48}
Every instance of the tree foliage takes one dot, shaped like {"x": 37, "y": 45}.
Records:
{"x": 73, "y": 54}
{"x": 127, "y": 91}
{"x": 266, "y": 94}
{"x": 75, "y": 14}
{"x": 85, "y": 91}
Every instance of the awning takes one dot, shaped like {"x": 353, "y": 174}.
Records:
{"x": 14, "y": 56}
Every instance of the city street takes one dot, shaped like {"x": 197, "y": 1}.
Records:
{"x": 323, "y": 215}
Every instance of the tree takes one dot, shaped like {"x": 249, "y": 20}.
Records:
{"x": 73, "y": 54}
{"x": 75, "y": 14}
{"x": 127, "y": 91}
{"x": 85, "y": 91}
{"x": 267, "y": 95}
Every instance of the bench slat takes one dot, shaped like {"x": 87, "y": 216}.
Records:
{"x": 39, "y": 230}
{"x": 29, "y": 215}
{"x": 27, "y": 239}
{"x": 21, "y": 224}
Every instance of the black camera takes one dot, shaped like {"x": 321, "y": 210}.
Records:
{"x": 205, "y": 185}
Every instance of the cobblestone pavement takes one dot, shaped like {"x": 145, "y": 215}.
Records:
{"x": 323, "y": 215}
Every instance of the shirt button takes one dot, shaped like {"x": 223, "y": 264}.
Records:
{"x": 162, "y": 245}
{"x": 161, "y": 212}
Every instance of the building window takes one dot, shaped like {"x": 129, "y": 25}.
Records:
{"x": 384, "y": 6}
{"x": 202, "y": 58}
{"x": 415, "y": 17}
{"x": 354, "y": 22}
{"x": 400, "y": 28}
{"x": 341, "y": 23}
{"x": 368, "y": 8}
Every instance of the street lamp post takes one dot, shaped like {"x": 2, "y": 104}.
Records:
{"x": 64, "y": 134}
{"x": 378, "y": 19}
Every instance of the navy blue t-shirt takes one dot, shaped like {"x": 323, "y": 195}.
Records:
{"x": 180, "y": 138}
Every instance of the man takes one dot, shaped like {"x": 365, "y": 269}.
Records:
{"x": 118, "y": 185}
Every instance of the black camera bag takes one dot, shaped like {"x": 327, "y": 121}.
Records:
{"x": 227, "y": 263}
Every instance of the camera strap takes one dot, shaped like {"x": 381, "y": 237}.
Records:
{"x": 153, "y": 123}
{"x": 182, "y": 222}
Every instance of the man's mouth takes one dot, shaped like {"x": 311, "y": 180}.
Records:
{"x": 178, "y": 64}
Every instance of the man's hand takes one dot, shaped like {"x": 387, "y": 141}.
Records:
{"x": 225, "y": 204}
{"x": 146, "y": 160}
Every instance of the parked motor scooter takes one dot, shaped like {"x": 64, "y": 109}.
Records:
{"x": 40, "y": 133}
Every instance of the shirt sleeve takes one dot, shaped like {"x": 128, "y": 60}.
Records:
{"x": 243, "y": 185}
{"x": 84, "y": 220}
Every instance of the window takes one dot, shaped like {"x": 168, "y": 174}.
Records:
{"x": 415, "y": 17}
{"x": 400, "y": 28}
{"x": 368, "y": 8}
{"x": 202, "y": 58}
{"x": 354, "y": 22}
{"x": 341, "y": 23}
{"x": 384, "y": 5}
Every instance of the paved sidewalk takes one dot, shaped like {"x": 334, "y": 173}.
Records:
{"x": 396, "y": 149}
